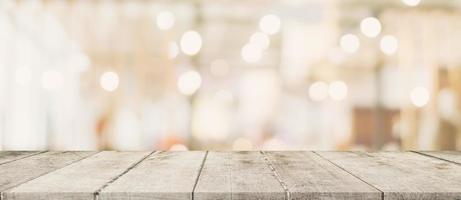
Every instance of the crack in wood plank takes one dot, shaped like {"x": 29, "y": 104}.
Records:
{"x": 382, "y": 193}
{"x": 436, "y": 157}
{"x": 96, "y": 194}
{"x": 276, "y": 175}
{"x": 198, "y": 175}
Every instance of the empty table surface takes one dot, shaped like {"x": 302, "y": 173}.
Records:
{"x": 110, "y": 175}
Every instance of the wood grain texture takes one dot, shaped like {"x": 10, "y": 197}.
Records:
{"x": 402, "y": 175}
{"x": 453, "y": 156}
{"x": 10, "y": 156}
{"x": 237, "y": 175}
{"x": 79, "y": 180}
{"x": 309, "y": 176}
{"x": 20, "y": 171}
{"x": 164, "y": 175}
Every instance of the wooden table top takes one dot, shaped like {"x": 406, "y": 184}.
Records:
{"x": 229, "y": 175}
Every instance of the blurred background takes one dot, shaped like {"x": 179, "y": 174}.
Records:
{"x": 230, "y": 75}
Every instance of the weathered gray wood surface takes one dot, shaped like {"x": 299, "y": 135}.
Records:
{"x": 309, "y": 176}
{"x": 9, "y": 156}
{"x": 26, "y": 169}
{"x": 79, "y": 180}
{"x": 203, "y": 175}
{"x": 402, "y": 175}
{"x": 164, "y": 175}
{"x": 237, "y": 175}
{"x": 453, "y": 156}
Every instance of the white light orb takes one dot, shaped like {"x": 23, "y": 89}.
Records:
{"x": 52, "y": 80}
{"x": 189, "y": 82}
{"x": 173, "y": 50}
{"x": 165, "y": 20}
{"x": 261, "y": 40}
{"x": 337, "y": 90}
{"x": 318, "y": 91}
{"x": 270, "y": 24}
{"x": 219, "y": 67}
{"x": 251, "y": 53}
{"x": 109, "y": 81}
{"x": 349, "y": 43}
{"x": 23, "y": 75}
{"x": 411, "y": 2}
{"x": 191, "y": 42}
{"x": 370, "y": 27}
{"x": 419, "y": 96}
{"x": 389, "y": 44}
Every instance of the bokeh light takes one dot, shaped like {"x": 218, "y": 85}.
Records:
{"x": 189, "y": 82}
{"x": 109, "y": 81}
{"x": 419, "y": 96}
{"x": 318, "y": 91}
{"x": 389, "y": 44}
{"x": 370, "y": 27}
{"x": 191, "y": 43}
{"x": 349, "y": 43}
{"x": 270, "y": 24}
{"x": 165, "y": 20}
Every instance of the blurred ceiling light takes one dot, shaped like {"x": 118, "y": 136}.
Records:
{"x": 411, "y": 2}
{"x": 318, "y": 91}
{"x": 52, "y": 80}
{"x": 173, "y": 50}
{"x": 178, "y": 147}
{"x": 165, "y": 20}
{"x": 260, "y": 39}
{"x": 419, "y": 96}
{"x": 349, "y": 43}
{"x": 370, "y": 27}
{"x": 337, "y": 90}
{"x": 242, "y": 144}
{"x": 191, "y": 42}
{"x": 389, "y": 44}
{"x": 251, "y": 53}
{"x": 270, "y": 24}
{"x": 22, "y": 76}
{"x": 109, "y": 81}
{"x": 189, "y": 82}
{"x": 219, "y": 67}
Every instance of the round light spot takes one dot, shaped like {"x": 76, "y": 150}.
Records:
{"x": 189, "y": 82}
{"x": 318, "y": 91}
{"x": 389, "y": 44}
{"x": 165, "y": 20}
{"x": 261, "y": 40}
{"x": 349, "y": 43}
{"x": 109, "y": 81}
{"x": 52, "y": 80}
{"x": 270, "y": 24}
{"x": 370, "y": 27}
{"x": 337, "y": 90}
{"x": 419, "y": 96}
{"x": 251, "y": 53}
{"x": 191, "y": 42}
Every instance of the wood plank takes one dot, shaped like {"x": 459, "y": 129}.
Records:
{"x": 164, "y": 175}
{"x": 453, "y": 156}
{"x": 10, "y": 156}
{"x": 402, "y": 175}
{"x": 79, "y": 180}
{"x": 20, "y": 171}
{"x": 237, "y": 175}
{"x": 309, "y": 176}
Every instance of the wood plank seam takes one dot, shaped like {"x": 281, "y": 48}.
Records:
{"x": 98, "y": 191}
{"x": 198, "y": 175}
{"x": 9, "y": 188}
{"x": 382, "y": 193}
{"x": 276, "y": 175}
{"x": 431, "y": 156}
{"x": 40, "y": 152}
